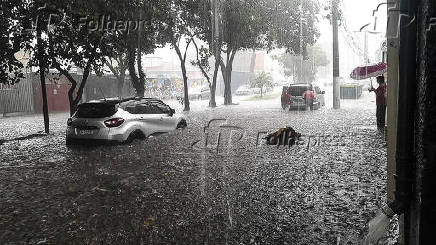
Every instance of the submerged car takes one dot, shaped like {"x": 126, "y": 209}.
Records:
{"x": 122, "y": 120}
{"x": 292, "y": 96}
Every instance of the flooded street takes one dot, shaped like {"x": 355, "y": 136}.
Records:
{"x": 205, "y": 184}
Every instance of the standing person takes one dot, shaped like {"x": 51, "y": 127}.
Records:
{"x": 308, "y": 96}
{"x": 380, "y": 94}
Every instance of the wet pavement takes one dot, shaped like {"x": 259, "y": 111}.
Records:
{"x": 188, "y": 187}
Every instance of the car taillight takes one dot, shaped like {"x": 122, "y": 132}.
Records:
{"x": 69, "y": 122}
{"x": 112, "y": 123}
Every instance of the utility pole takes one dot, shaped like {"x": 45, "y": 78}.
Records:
{"x": 301, "y": 42}
{"x": 335, "y": 18}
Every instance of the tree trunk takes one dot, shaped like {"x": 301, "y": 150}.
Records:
{"x": 182, "y": 59}
{"x": 73, "y": 107}
{"x": 42, "y": 68}
{"x": 74, "y": 101}
{"x": 185, "y": 87}
{"x": 141, "y": 79}
{"x": 212, "y": 86}
{"x": 212, "y": 101}
{"x": 120, "y": 84}
{"x": 227, "y": 76}
{"x": 131, "y": 58}
{"x": 73, "y": 82}
{"x": 119, "y": 74}
{"x": 228, "y": 86}
{"x": 141, "y": 73}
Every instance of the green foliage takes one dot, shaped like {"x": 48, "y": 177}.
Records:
{"x": 263, "y": 80}
{"x": 290, "y": 19}
{"x": 268, "y": 24}
{"x": 11, "y": 40}
{"x": 249, "y": 24}
{"x": 315, "y": 58}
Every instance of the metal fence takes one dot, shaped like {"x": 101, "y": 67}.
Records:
{"x": 16, "y": 98}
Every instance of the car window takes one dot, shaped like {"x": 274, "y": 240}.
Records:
{"x": 297, "y": 90}
{"x": 130, "y": 109}
{"x": 95, "y": 110}
{"x": 163, "y": 108}
{"x": 147, "y": 108}
{"x": 142, "y": 109}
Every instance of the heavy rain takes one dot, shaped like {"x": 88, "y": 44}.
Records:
{"x": 201, "y": 122}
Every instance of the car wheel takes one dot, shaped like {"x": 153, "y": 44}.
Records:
{"x": 137, "y": 134}
{"x": 182, "y": 124}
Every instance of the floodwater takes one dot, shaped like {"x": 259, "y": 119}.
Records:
{"x": 186, "y": 187}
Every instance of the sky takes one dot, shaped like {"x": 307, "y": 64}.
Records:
{"x": 356, "y": 13}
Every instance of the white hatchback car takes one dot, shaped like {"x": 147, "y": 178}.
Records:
{"x": 200, "y": 93}
{"x": 122, "y": 120}
{"x": 247, "y": 90}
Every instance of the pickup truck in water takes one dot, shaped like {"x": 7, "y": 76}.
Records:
{"x": 293, "y": 97}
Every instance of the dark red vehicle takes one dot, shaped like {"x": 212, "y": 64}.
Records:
{"x": 292, "y": 97}
{"x": 286, "y": 97}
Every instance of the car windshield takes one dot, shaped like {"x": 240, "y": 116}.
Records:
{"x": 95, "y": 110}
{"x": 297, "y": 90}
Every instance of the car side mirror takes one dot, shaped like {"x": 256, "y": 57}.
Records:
{"x": 172, "y": 112}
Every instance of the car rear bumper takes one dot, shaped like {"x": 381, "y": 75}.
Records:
{"x": 101, "y": 134}
{"x": 297, "y": 105}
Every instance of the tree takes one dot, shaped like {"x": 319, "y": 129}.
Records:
{"x": 265, "y": 24}
{"x": 10, "y": 41}
{"x": 142, "y": 35}
{"x": 27, "y": 32}
{"x": 118, "y": 66}
{"x": 68, "y": 42}
{"x": 262, "y": 81}
{"x": 241, "y": 29}
{"x": 182, "y": 26}
{"x": 315, "y": 58}
{"x": 211, "y": 35}
{"x": 202, "y": 61}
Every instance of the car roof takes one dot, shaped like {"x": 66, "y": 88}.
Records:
{"x": 299, "y": 85}
{"x": 133, "y": 102}
{"x": 114, "y": 101}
